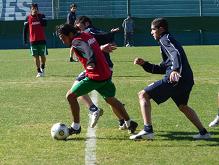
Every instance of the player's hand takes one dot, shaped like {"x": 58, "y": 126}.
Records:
{"x": 115, "y": 29}
{"x": 90, "y": 66}
{"x": 139, "y": 61}
{"x": 174, "y": 76}
{"x": 108, "y": 48}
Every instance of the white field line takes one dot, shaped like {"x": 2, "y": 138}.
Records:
{"x": 90, "y": 143}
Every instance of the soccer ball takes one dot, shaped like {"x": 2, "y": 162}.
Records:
{"x": 59, "y": 131}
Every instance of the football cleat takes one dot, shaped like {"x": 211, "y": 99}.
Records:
{"x": 199, "y": 136}
{"x": 132, "y": 127}
{"x": 94, "y": 117}
{"x": 215, "y": 122}
{"x": 39, "y": 74}
{"x": 142, "y": 135}
{"x": 74, "y": 131}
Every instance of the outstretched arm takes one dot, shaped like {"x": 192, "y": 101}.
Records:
{"x": 151, "y": 68}
{"x": 108, "y": 48}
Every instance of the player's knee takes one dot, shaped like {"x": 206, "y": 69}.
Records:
{"x": 70, "y": 96}
{"x": 183, "y": 108}
{"x": 109, "y": 100}
{"x": 143, "y": 95}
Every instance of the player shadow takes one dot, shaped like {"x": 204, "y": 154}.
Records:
{"x": 173, "y": 135}
{"x": 72, "y": 75}
{"x": 56, "y": 75}
{"x": 75, "y": 139}
{"x": 97, "y": 138}
{"x": 120, "y": 76}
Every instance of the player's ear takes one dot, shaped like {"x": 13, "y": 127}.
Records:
{"x": 71, "y": 35}
{"x": 87, "y": 24}
{"x": 161, "y": 29}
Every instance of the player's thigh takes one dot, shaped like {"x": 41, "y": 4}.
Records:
{"x": 34, "y": 50}
{"x": 181, "y": 96}
{"x": 107, "y": 90}
{"x": 42, "y": 50}
{"x": 159, "y": 91}
{"x": 82, "y": 87}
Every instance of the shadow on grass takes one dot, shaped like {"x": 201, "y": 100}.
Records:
{"x": 72, "y": 75}
{"x": 187, "y": 136}
{"x": 59, "y": 75}
{"x": 97, "y": 138}
{"x": 167, "y": 136}
{"x": 75, "y": 139}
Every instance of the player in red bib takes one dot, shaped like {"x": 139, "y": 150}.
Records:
{"x": 35, "y": 23}
{"x": 98, "y": 77}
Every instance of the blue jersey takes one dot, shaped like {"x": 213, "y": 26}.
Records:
{"x": 102, "y": 38}
{"x": 174, "y": 59}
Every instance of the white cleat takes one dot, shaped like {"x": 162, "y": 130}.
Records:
{"x": 94, "y": 117}
{"x": 40, "y": 75}
{"x": 215, "y": 122}
{"x": 142, "y": 135}
{"x": 200, "y": 137}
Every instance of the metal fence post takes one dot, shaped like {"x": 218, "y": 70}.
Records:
{"x": 128, "y": 7}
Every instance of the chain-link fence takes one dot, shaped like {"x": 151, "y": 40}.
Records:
{"x": 58, "y": 9}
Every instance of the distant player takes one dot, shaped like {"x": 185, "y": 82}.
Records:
{"x": 35, "y": 23}
{"x": 128, "y": 26}
{"x": 98, "y": 76}
{"x": 215, "y": 122}
{"x": 85, "y": 25}
{"x": 176, "y": 84}
{"x": 71, "y": 17}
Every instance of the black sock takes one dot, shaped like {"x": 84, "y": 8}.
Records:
{"x": 42, "y": 66}
{"x": 93, "y": 108}
{"x": 148, "y": 128}
{"x": 121, "y": 122}
{"x": 203, "y": 131}
{"x": 39, "y": 70}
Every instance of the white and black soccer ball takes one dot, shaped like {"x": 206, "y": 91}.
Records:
{"x": 59, "y": 131}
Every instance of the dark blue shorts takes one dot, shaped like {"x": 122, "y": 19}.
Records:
{"x": 81, "y": 76}
{"x": 160, "y": 91}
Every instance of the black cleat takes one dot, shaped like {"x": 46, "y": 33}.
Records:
{"x": 71, "y": 59}
{"x": 73, "y": 131}
{"x": 132, "y": 127}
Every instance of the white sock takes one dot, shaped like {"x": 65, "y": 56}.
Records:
{"x": 75, "y": 126}
{"x": 128, "y": 123}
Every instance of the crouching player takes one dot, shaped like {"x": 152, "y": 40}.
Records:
{"x": 176, "y": 84}
{"x": 105, "y": 40}
{"x": 98, "y": 76}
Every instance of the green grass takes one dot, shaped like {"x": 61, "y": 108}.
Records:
{"x": 30, "y": 106}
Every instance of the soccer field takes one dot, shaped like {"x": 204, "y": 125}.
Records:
{"x": 29, "y": 106}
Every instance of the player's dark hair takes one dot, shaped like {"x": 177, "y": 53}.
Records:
{"x": 65, "y": 29}
{"x": 160, "y": 22}
{"x": 34, "y": 5}
{"x": 83, "y": 19}
{"x": 73, "y": 6}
